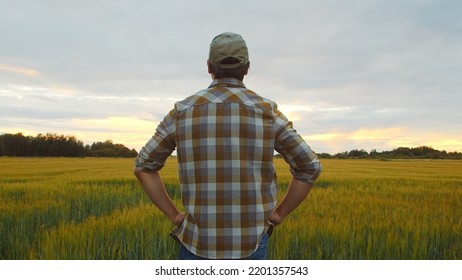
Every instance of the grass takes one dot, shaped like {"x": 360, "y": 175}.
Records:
{"x": 93, "y": 208}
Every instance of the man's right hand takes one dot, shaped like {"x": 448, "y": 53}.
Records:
{"x": 275, "y": 218}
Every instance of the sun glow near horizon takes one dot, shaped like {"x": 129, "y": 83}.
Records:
{"x": 134, "y": 132}
{"x": 381, "y": 140}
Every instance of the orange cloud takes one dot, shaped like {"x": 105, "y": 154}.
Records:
{"x": 20, "y": 70}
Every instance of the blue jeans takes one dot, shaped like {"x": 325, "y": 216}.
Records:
{"x": 259, "y": 254}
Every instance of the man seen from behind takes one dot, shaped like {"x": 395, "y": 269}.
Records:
{"x": 225, "y": 137}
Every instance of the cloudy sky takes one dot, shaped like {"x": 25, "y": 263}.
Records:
{"x": 354, "y": 74}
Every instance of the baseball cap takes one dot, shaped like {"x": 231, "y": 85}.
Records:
{"x": 226, "y": 45}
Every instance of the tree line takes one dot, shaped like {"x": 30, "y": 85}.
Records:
{"x": 54, "y": 145}
{"x": 422, "y": 152}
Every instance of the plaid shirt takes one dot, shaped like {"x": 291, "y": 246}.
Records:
{"x": 225, "y": 138}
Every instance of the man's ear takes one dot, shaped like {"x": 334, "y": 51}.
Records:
{"x": 246, "y": 70}
{"x": 209, "y": 67}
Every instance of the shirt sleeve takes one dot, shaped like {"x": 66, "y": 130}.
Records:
{"x": 153, "y": 155}
{"x": 303, "y": 162}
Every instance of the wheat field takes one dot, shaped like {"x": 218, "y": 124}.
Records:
{"x": 93, "y": 208}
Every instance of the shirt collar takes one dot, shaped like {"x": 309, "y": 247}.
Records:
{"x": 227, "y": 82}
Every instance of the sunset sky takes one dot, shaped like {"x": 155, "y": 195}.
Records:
{"x": 350, "y": 74}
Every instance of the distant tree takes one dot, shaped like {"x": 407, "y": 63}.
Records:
{"x": 402, "y": 152}
{"x": 343, "y": 155}
{"x": 109, "y": 149}
{"x": 454, "y": 155}
{"x": 54, "y": 145}
{"x": 16, "y": 145}
{"x": 358, "y": 154}
{"x": 2, "y": 145}
{"x": 324, "y": 155}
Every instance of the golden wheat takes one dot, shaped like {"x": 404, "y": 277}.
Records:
{"x": 93, "y": 208}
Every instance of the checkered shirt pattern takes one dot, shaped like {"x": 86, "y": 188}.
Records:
{"x": 225, "y": 138}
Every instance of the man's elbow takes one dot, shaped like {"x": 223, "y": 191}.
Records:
{"x": 316, "y": 171}
{"x": 309, "y": 173}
